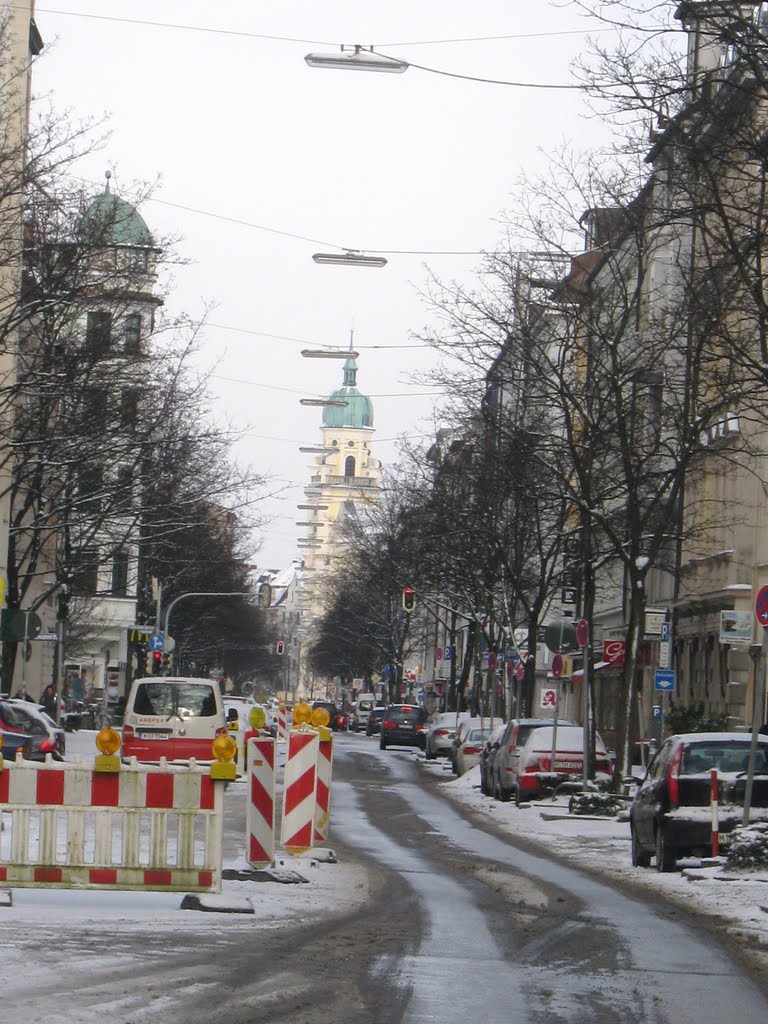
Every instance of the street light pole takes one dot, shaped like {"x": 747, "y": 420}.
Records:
{"x": 199, "y": 593}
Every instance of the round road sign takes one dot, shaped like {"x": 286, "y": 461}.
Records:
{"x": 582, "y": 632}
{"x": 557, "y": 666}
{"x": 520, "y": 672}
{"x": 761, "y": 606}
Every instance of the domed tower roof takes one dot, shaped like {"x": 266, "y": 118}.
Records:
{"x": 110, "y": 219}
{"x": 358, "y": 411}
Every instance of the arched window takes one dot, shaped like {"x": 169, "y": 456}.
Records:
{"x": 349, "y": 467}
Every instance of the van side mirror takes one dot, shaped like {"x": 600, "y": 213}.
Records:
{"x": 232, "y": 715}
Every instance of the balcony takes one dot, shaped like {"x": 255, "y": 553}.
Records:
{"x": 346, "y": 481}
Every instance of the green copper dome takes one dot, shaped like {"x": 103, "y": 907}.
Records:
{"x": 358, "y": 411}
{"x": 110, "y": 219}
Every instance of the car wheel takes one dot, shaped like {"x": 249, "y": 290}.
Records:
{"x": 429, "y": 755}
{"x": 640, "y": 858}
{"x": 666, "y": 859}
{"x": 504, "y": 794}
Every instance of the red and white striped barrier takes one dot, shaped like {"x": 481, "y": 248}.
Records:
{"x": 260, "y": 810}
{"x": 282, "y": 722}
{"x": 146, "y": 827}
{"x": 323, "y": 790}
{"x": 299, "y": 791}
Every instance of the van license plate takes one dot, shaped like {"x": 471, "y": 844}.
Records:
{"x": 153, "y": 736}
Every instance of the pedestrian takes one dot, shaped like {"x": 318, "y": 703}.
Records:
{"x": 79, "y": 687}
{"x": 49, "y": 701}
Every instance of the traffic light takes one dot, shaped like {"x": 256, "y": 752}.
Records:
{"x": 157, "y": 662}
{"x": 409, "y": 600}
{"x": 167, "y": 663}
{"x": 280, "y": 646}
{"x": 148, "y": 661}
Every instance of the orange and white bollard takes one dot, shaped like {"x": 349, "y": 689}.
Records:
{"x": 282, "y": 723}
{"x": 260, "y": 809}
{"x": 299, "y": 791}
{"x": 323, "y": 799}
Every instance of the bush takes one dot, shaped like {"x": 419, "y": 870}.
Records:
{"x": 607, "y": 805}
{"x": 694, "y": 718}
{"x": 748, "y": 847}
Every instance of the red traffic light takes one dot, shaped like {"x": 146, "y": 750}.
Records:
{"x": 409, "y": 599}
{"x": 280, "y": 646}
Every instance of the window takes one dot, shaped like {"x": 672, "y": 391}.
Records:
{"x": 132, "y": 334}
{"x": 120, "y": 561}
{"x": 349, "y": 467}
{"x": 95, "y": 408}
{"x": 124, "y": 491}
{"x": 129, "y": 408}
{"x": 98, "y": 330}
{"x": 89, "y": 487}
{"x": 85, "y": 570}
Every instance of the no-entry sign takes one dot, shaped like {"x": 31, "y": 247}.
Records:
{"x": 761, "y": 606}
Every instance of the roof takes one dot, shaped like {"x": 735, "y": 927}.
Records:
{"x": 110, "y": 219}
{"x": 357, "y": 410}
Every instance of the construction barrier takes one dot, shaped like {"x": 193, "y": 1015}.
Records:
{"x": 299, "y": 791}
{"x": 260, "y": 809}
{"x": 282, "y": 722}
{"x": 143, "y": 827}
{"x": 323, "y": 790}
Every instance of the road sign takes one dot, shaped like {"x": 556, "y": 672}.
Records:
{"x": 18, "y": 624}
{"x": 170, "y": 644}
{"x": 664, "y": 680}
{"x": 491, "y": 661}
{"x": 568, "y": 595}
{"x": 560, "y": 636}
{"x": 156, "y": 642}
{"x": 665, "y": 654}
{"x": 557, "y": 666}
{"x": 520, "y": 672}
{"x": 761, "y": 606}
{"x": 582, "y": 632}
{"x": 46, "y": 636}
{"x": 549, "y": 698}
{"x": 438, "y": 654}
{"x": 665, "y": 628}
{"x": 448, "y": 653}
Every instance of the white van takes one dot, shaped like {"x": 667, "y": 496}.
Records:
{"x": 366, "y": 702}
{"x": 176, "y": 717}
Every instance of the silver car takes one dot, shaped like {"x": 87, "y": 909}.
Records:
{"x": 441, "y": 734}
{"x": 503, "y": 781}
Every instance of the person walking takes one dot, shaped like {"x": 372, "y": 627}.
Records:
{"x": 49, "y": 701}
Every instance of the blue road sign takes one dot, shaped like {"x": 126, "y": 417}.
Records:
{"x": 665, "y": 627}
{"x": 156, "y": 642}
{"x": 664, "y": 680}
{"x": 656, "y": 713}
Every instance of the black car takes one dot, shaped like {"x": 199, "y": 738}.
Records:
{"x": 403, "y": 725}
{"x": 375, "y": 716}
{"x": 336, "y": 719}
{"x": 669, "y": 816}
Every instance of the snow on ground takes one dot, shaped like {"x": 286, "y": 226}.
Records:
{"x": 736, "y": 902}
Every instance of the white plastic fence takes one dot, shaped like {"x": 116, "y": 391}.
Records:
{"x": 145, "y": 827}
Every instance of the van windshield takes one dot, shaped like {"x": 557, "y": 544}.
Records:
{"x": 169, "y": 699}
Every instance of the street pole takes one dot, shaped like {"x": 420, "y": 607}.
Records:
{"x": 758, "y": 711}
{"x": 195, "y": 593}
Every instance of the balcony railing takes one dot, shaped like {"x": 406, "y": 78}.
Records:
{"x": 349, "y": 481}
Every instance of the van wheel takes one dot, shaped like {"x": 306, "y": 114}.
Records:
{"x": 666, "y": 858}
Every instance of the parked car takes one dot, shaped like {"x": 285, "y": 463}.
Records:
{"x": 488, "y": 755}
{"x": 502, "y": 773}
{"x": 440, "y": 735}
{"x": 403, "y": 725}
{"x": 538, "y": 776}
{"x": 374, "y": 720}
{"x": 366, "y": 702}
{"x": 469, "y": 750}
{"x": 465, "y": 723}
{"x": 42, "y": 735}
{"x": 670, "y": 817}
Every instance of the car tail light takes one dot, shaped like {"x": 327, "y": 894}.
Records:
{"x": 673, "y": 775}
{"x": 387, "y": 724}
{"x": 472, "y": 750}
{"x": 420, "y": 726}
{"x": 536, "y": 764}
{"x": 127, "y": 732}
{"x": 47, "y": 746}
{"x": 440, "y": 732}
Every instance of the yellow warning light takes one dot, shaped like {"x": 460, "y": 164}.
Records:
{"x": 302, "y": 714}
{"x": 257, "y": 718}
{"x": 108, "y": 741}
{"x": 1, "y": 741}
{"x": 320, "y": 716}
{"x": 224, "y": 747}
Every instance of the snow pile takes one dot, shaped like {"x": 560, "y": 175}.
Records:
{"x": 748, "y": 847}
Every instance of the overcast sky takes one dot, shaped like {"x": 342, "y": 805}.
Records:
{"x": 239, "y": 128}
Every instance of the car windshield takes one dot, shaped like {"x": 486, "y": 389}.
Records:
{"x": 403, "y": 713}
{"x": 169, "y": 699}
{"x": 726, "y": 757}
